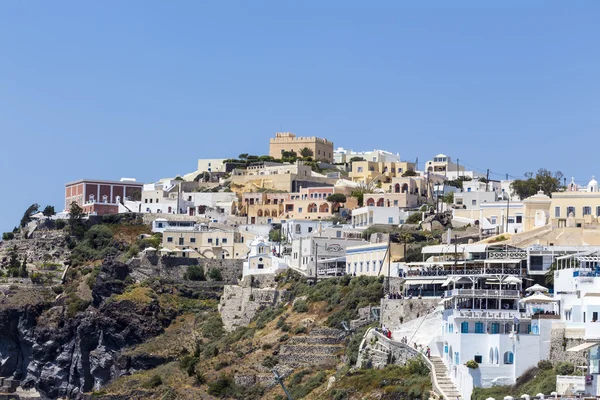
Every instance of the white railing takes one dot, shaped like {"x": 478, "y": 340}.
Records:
{"x": 483, "y": 293}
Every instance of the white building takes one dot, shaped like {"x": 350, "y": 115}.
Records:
{"x": 294, "y": 229}
{"x": 365, "y": 217}
{"x": 263, "y": 259}
{"x": 341, "y": 156}
{"x": 306, "y": 250}
{"x": 371, "y": 259}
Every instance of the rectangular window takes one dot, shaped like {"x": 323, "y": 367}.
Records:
{"x": 209, "y": 240}
{"x": 587, "y": 210}
{"x": 261, "y": 266}
{"x": 598, "y": 211}
{"x": 224, "y": 240}
{"x": 570, "y": 210}
{"x": 181, "y": 241}
{"x": 478, "y": 359}
{"x": 169, "y": 240}
{"x": 395, "y": 202}
{"x": 390, "y": 220}
{"x": 473, "y": 202}
{"x": 519, "y": 219}
{"x": 493, "y": 220}
{"x": 359, "y": 169}
{"x": 557, "y": 212}
{"x": 192, "y": 240}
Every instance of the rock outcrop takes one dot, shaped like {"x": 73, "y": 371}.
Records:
{"x": 65, "y": 356}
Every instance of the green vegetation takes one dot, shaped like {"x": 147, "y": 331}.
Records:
{"x": 548, "y": 181}
{"x": 300, "y": 306}
{"x": 302, "y": 390}
{"x": 472, "y": 364}
{"x": 215, "y": 274}
{"x": 155, "y": 381}
{"x": 414, "y": 218}
{"x": 49, "y": 211}
{"x": 336, "y": 198}
{"x": 8, "y": 236}
{"x": 275, "y": 235}
{"x": 195, "y": 273}
{"x": 32, "y": 209}
{"x": 407, "y": 382}
{"x": 409, "y": 172}
{"x": 97, "y": 243}
{"x": 343, "y": 295}
{"x": 535, "y": 380}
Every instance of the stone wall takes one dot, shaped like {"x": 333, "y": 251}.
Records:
{"x": 239, "y": 305}
{"x": 562, "y": 340}
{"x": 376, "y": 352}
{"x": 399, "y": 311}
{"x": 151, "y": 265}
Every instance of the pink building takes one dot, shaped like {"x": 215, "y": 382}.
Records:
{"x": 101, "y": 197}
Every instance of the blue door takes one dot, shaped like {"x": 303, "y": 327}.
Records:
{"x": 478, "y": 327}
{"x": 464, "y": 327}
{"x": 495, "y": 328}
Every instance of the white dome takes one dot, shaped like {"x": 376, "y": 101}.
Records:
{"x": 441, "y": 155}
{"x": 592, "y": 186}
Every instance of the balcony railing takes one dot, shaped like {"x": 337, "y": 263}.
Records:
{"x": 493, "y": 315}
{"x": 493, "y": 293}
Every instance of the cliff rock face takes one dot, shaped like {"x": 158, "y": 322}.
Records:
{"x": 62, "y": 356}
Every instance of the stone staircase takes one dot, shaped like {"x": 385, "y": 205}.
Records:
{"x": 444, "y": 383}
{"x": 321, "y": 346}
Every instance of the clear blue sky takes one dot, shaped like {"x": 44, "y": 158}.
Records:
{"x": 144, "y": 88}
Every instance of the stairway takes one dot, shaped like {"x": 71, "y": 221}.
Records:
{"x": 449, "y": 391}
{"x": 321, "y": 346}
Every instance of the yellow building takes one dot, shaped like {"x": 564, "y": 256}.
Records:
{"x": 374, "y": 173}
{"x": 309, "y": 203}
{"x": 286, "y": 141}
{"x": 206, "y": 243}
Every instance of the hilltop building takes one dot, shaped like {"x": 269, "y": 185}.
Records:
{"x": 99, "y": 197}
{"x": 287, "y": 142}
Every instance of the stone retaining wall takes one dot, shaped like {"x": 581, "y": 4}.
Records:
{"x": 396, "y": 312}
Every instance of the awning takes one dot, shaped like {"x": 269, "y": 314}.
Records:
{"x": 504, "y": 261}
{"x": 421, "y": 282}
{"x": 583, "y": 346}
{"x": 441, "y": 302}
{"x": 592, "y": 294}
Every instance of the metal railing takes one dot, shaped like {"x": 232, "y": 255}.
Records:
{"x": 510, "y": 293}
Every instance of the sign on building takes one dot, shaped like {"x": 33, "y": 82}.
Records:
{"x": 569, "y": 385}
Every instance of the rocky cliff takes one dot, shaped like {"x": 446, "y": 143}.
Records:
{"x": 47, "y": 344}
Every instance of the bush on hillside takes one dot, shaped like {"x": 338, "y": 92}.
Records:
{"x": 544, "y": 364}
{"x": 195, "y": 273}
{"x": 564, "y": 368}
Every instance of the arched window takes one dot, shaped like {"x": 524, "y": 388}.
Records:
{"x": 105, "y": 199}
{"x": 509, "y": 357}
{"x": 405, "y": 188}
{"x": 491, "y": 355}
{"x": 397, "y": 188}
{"x": 380, "y": 202}
{"x": 370, "y": 202}
{"x": 298, "y": 229}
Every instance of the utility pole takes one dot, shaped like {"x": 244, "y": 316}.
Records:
{"x": 507, "y": 210}
{"x": 455, "y": 253}
{"x": 279, "y": 380}
{"x": 487, "y": 180}
{"x": 316, "y": 261}
{"x": 427, "y": 191}
{"x": 457, "y": 168}
{"x": 389, "y": 251}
